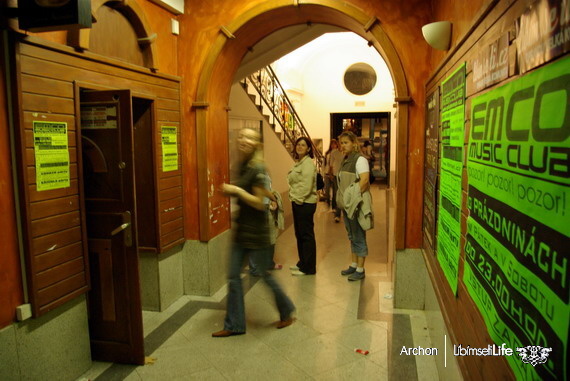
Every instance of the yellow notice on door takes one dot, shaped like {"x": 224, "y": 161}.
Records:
{"x": 52, "y": 155}
{"x": 169, "y": 148}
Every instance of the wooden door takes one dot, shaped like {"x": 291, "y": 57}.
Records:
{"x": 115, "y": 312}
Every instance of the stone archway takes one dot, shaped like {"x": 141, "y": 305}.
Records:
{"x": 216, "y": 79}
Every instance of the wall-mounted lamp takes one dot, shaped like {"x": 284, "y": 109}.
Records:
{"x": 438, "y": 34}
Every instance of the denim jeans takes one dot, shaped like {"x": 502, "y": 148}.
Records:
{"x": 356, "y": 235}
{"x": 235, "y": 315}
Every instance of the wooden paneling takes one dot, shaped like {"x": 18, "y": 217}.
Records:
{"x": 53, "y": 241}
{"x": 172, "y": 226}
{"x": 61, "y": 289}
{"x": 58, "y": 256}
{"x": 47, "y": 103}
{"x": 169, "y": 215}
{"x": 46, "y": 86}
{"x": 61, "y": 272}
{"x": 170, "y": 182}
{"x": 54, "y": 207}
{"x": 53, "y": 224}
{"x": 56, "y": 247}
{"x": 171, "y": 193}
{"x": 171, "y": 238}
{"x": 168, "y": 116}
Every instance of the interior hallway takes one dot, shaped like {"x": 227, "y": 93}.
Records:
{"x": 334, "y": 317}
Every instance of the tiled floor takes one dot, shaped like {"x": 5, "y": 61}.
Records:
{"x": 334, "y": 317}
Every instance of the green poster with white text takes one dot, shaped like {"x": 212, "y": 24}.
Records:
{"x": 450, "y": 195}
{"x": 518, "y": 241}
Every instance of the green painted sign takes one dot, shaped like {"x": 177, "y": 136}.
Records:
{"x": 450, "y": 195}
{"x": 51, "y": 155}
{"x": 516, "y": 264}
{"x": 169, "y": 148}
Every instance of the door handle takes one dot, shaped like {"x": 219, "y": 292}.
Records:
{"x": 126, "y": 227}
{"x": 120, "y": 228}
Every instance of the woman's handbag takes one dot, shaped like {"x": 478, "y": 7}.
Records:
{"x": 320, "y": 181}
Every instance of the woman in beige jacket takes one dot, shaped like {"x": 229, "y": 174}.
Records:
{"x": 303, "y": 195}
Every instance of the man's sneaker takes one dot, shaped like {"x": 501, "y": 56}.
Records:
{"x": 294, "y": 267}
{"x": 348, "y": 271}
{"x": 356, "y": 276}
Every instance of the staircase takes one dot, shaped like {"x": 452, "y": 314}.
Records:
{"x": 266, "y": 92}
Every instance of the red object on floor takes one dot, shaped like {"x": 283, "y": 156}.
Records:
{"x": 361, "y": 351}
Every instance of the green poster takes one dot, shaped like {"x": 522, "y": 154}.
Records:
{"x": 450, "y": 195}
{"x": 453, "y": 108}
{"x": 51, "y": 154}
{"x": 516, "y": 264}
{"x": 169, "y": 148}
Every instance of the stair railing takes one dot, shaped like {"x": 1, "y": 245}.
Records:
{"x": 270, "y": 91}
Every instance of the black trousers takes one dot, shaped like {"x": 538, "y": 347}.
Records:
{"x": 305, "y": 234}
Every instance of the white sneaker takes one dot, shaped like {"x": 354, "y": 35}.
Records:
{"x": 297, "y": 273}
{"x": 294, "y": 267}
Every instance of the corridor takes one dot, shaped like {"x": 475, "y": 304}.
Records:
{"x": 334, "y": 317}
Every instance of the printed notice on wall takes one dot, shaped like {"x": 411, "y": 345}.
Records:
{"x": 518, "y": 234}
{"x": 450, "y": 195}
{"x": 99, "y": 116}
{"x": 430, "y": 168}
{"x": 543, "y": 33}
{"x": 492, "y": 63}
{"x": 169, "y": 148}
{"x": 51, "y": 154}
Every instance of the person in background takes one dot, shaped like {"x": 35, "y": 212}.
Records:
{"x": 303, "y": 195}
{"x": 353, "y": 178}
{"x": 251, "y": 237}
{"x": 369, "y": 155}
{"x": 326, "y": 168}
{"x": 336, "y": 157}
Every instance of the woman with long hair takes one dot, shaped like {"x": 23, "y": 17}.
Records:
{"x": 354, "y": 197}
{"x": 303, "y": 196}
{"x": 252, "y": 236}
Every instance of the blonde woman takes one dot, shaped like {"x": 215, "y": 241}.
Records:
{"x": 353, "y": 181}
{"x": 252, "y": 237}
{"x": 303, "y": 195}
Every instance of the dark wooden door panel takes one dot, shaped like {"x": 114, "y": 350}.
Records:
{"x": 115, "y": 312}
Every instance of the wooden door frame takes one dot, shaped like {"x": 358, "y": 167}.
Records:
{"x": 78, "y": 86}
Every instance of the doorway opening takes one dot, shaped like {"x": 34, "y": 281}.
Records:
{"x": 373, "y": 127}
{"x": 116, "y": 132}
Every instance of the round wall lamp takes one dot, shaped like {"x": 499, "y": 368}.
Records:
{"x": 438, "y": 34}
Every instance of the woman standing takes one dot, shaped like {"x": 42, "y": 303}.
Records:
{"x": 252, "y": 237}
{"x": 303, "y": 195}
{"x": 353, "y": 190}
{"x": 335, "y": 160}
